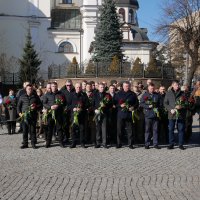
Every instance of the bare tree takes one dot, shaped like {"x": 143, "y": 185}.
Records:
{"x": 181, "y": 22}
{"x": 8, "y": 63}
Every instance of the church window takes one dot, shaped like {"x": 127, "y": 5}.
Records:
{"x": 131, "y": 16}
{"x": 66, "y": 18}
{"x": 122, "y": 13}
{"x": 67, "y": 1}
{"x": 66, "y": 47}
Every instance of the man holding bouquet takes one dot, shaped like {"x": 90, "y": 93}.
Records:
{"x": 27, "y": 108}
{"x": 151, "y": 103}
{"x": 102, "y": 103}
{"x": 54, "y": 102}
{"x": 78, "y": 104}
{"x": 176, "y": 103}
{"x": 127, "y": 103}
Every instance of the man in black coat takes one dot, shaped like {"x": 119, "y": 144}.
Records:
{"x": 27, "y": 108}
{"x": 54, "y": 102}
{"x": 175, "y": 102}
{"x": 78, "y": 105}
{"x": 126, "y": 102}
{"x": 151, "y": 103}
{"x": 67, "y": 90}
{"x": 101, "y": 108}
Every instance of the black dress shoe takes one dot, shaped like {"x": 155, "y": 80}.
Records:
{"x": 73, "y": 146}
{"x": 146, "y": 147}
{"x": 62, "y": 145}
{"x": 34, "y": 147}
{"x": 105, "y": 146}
{"x": 156, "y": 147}
{"x": 181, "y": 147}
{"x": 47, "y": 145}
{"x": 24, "y": 146}
{"x": 83, "y": 146}
{"x": 170, "y": 147}
{"x": 118, "y": 146}
{"x": 97, "y": 146}
{"x": 130, "y": 147}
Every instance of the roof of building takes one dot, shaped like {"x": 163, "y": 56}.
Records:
{"x": 129, "y": 2}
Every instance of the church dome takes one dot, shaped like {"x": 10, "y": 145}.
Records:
{"x": 128, "y": 2}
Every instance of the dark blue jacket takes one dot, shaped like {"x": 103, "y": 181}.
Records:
{"x": 132, "y": 100}
{"x": 157, "y": 102}
{"x": 97, "y": 99}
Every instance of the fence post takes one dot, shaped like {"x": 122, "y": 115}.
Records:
{"x": 120, "y": 70}
{"x": 13, "y": 79}
{"x": 143, "y": 71}
{"x": 76, "y": 67}
{"x": 96, "y": 66}
{"x": 59, "y": 71}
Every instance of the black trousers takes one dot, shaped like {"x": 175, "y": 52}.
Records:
{"x": 151, "y": 126}
{"x": 11, "y": 126}
{"x": 52, "y": 125}
{"x": 66, "y": 126}
{"x": 121, "y": 125}
{"x": 30, "y": 128}
{"x": 78, "y": 132}
{"x": 101, "y": 130}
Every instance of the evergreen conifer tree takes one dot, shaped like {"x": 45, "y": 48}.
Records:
{"x": 29, "y": 63}
{"x": 137, "y": 68}
{"x": 108, "y": 38}
{"x": 114, "y": 66}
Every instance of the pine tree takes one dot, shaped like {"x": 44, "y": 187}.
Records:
{"x": 29, "y": 63}
{"x": 152, "y": 69}
{"x": 108, "y": 38}
{"x": 137, "y": 67}
{"x": 114, "y": 66}
{"x": 90, "y": 69}
{"x": 72, "y": 67}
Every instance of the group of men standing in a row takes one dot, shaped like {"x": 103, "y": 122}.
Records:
{"x": 103, "y": 115}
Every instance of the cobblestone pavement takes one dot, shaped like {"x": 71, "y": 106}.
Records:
{"x": 139, "y": 174}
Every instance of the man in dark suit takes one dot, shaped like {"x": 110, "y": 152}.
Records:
{"x": 102, "y": 113}
{"x": 54, "y": 102}
{"x": 126, "y": 102}
{"x": 27, "y": 108}
{"x": 78, "y": 105}
{"x": 67, "y": 90}
{"x": 151, "y": 103}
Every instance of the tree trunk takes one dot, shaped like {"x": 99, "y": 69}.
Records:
{"x": 191, "y": 72}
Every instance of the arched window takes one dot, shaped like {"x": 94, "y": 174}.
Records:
{"x": 67, "y": 1}
{"x": 131, "y": 16}
{"x": 65, "y": 47}
{"x": 122, "y": 13}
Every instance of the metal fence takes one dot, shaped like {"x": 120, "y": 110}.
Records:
{"x": 9, "y": 78}
{"x": 123, "y": 69}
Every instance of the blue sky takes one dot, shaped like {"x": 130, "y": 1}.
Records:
{"x": 148, "y": 15}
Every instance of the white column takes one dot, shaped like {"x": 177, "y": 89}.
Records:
{"x": 89, "y": 12}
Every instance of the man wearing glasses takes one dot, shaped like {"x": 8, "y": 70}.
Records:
{"x": 67, "y": 90}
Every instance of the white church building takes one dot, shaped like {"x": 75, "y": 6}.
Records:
{"x": 63, "y": 29}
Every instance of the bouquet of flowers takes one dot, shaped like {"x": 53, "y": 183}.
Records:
{"x": 105, "y": 101}
{"x": 126, "y": 108}
{"x": 182, "y": 102}
{"x": 151, "y": 102}
{"x": 58, "y": 101}
{"x": 76, "y": 113}
{"x": 27, "y": 115}
{"x": 8, "y": 104}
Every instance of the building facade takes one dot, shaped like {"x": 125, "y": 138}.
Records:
{"x": 63, "y": 29}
